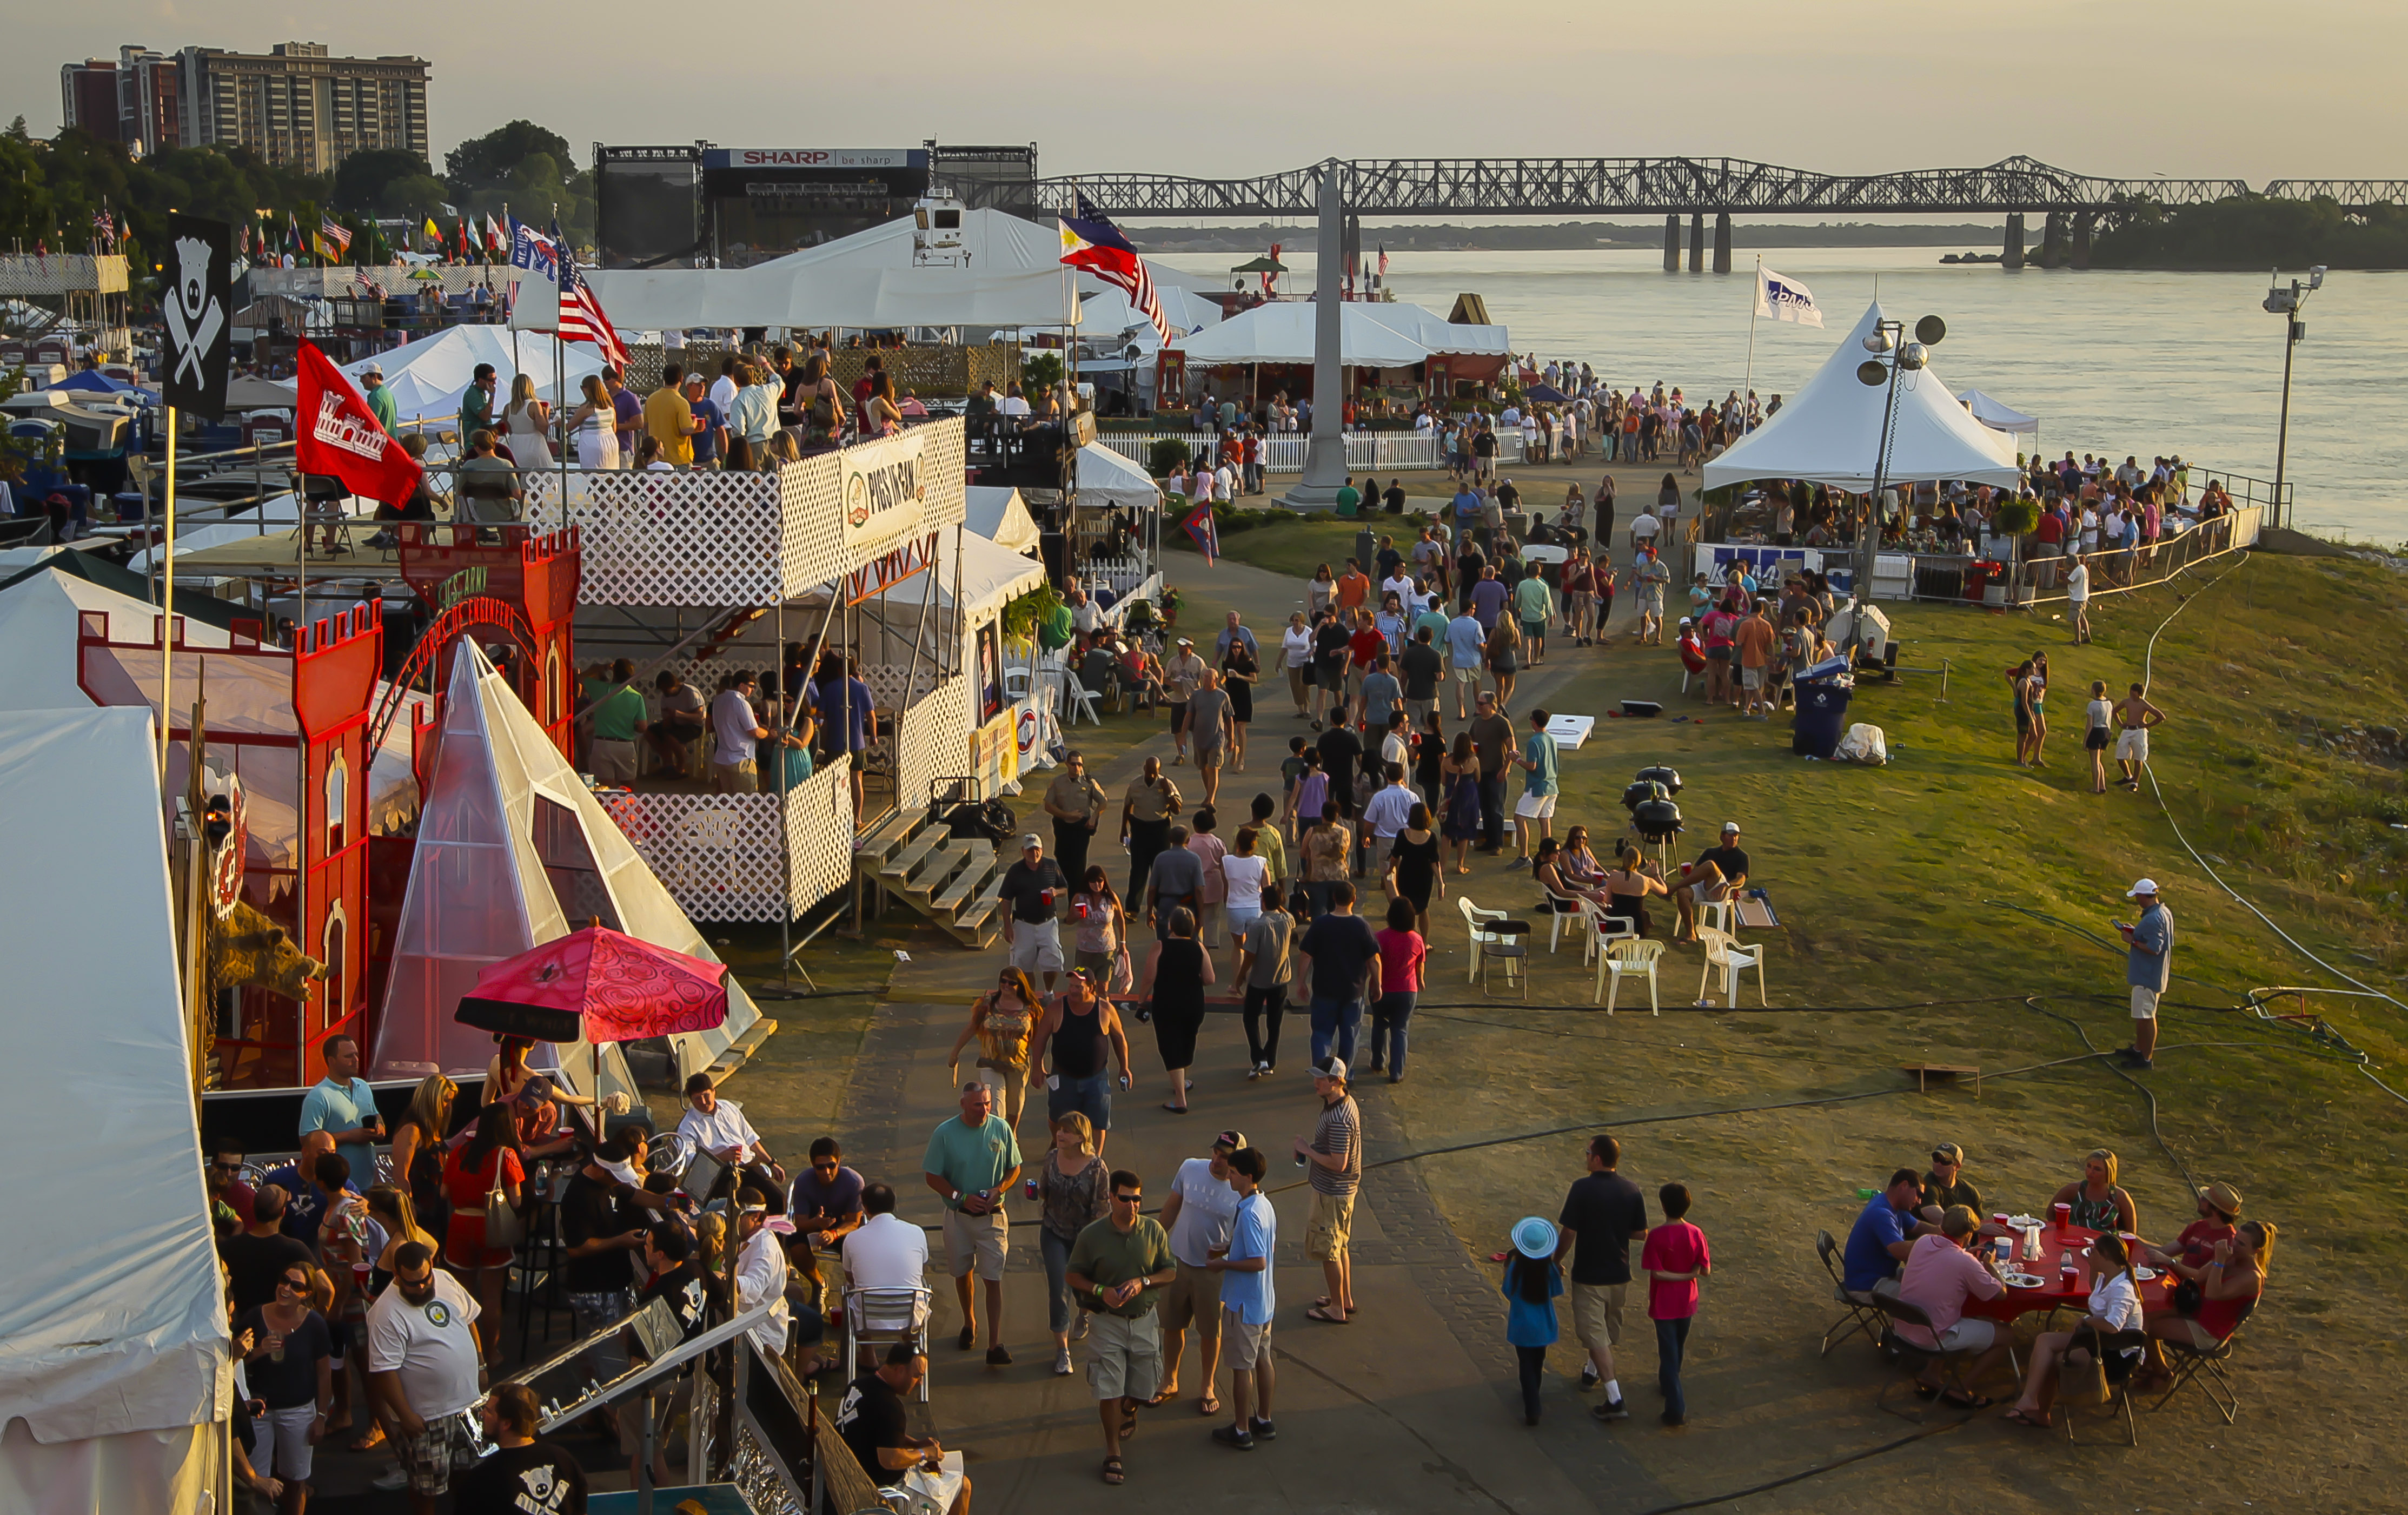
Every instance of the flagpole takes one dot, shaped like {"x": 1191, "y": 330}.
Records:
{"x": 1747, "y": 387}
{"x": 168, "y": 611}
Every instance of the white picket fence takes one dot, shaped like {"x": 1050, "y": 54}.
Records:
{"x": 1372, "y": 452}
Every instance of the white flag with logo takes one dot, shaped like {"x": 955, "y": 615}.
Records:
{"x": 1785, "y": 298}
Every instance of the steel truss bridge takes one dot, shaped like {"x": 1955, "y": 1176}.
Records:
{"x": 1457, "y": 187}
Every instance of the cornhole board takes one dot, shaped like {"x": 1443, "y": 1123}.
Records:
{"x": 1570, "y": 732}
{"x": 1756, "y": 911}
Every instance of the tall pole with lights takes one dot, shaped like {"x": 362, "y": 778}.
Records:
{"x": 2286, "y": 303}
{"x": 1892, "y": 355}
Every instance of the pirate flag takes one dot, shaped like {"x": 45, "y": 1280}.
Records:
{"x": 199, "y": 308}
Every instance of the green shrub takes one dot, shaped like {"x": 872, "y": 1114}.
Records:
{"x": 1165, "y": 454}
{"x": 1039, "y": 370}
{"x": 2015, "y": 517}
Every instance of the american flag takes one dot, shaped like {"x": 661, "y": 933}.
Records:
{"x": 1093, "y": 243}
{"x": 336, "y": 233}
{"x": 580, "y": 314}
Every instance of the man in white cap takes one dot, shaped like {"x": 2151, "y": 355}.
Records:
{"x": 1731, "y": 860}
{"x": 2148, "y": 968}
{"x": 380, "y": 398}
{"x": 1033, "y": 889}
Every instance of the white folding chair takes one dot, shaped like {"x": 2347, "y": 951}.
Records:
{"x": 1080, "y": 699}
{"x": 1480, "y": 937}
{"x": 1634, "y": 955}
{"x": 1734, "y": 961}
{"x": 877, "y": 1317}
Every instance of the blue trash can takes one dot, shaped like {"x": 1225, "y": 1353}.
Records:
{"x": 1822, "y": 716}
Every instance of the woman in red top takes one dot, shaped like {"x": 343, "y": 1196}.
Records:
{"x": 2229, "y": 1286}
{"x": 1402, "y": 955}
{"x": 489, "y": 1159}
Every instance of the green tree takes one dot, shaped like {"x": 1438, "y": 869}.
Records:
{"x": 361, "y": 179}
{"x": 487, "y": 162}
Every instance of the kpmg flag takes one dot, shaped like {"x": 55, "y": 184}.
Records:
{"x": 535, "y": 298}
{"x": 1785, "y": 299}
{"x": 1199, "y": 525}
{"x": 199, "y": 309}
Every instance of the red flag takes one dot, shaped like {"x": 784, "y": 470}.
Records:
{"x": 1199, "y": 525}
{"x": 339, "y": 435}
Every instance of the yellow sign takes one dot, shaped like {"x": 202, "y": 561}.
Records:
{"x": 995, "y": 750}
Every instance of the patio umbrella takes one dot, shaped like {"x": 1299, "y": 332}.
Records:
{"x": 597, "y": 986}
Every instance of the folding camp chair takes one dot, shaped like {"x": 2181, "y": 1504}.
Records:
{"x": 1862, "y": 1315}
{"x": 1913, "y": 1357}
{"x": 875, "y": 1317}
{"x": 2204, "y": 1367}
{"x": 2108, "y": 1351}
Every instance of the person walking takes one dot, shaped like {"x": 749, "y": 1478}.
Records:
{"x": 1334, "y": 1153}
{"x": 1675, "y": 1256}
{"x": 1404, "y": 956}
{"x": 1603, "y": 1214}
{"x": 1248, "y": 1301}
{"x": 1177, "y": 971}
{"x": 1002, "y": 1019}
{"x": 1200, "y": 1213}
{"x": 2135, "y": 718}
{"x": 1146, "y": 811}
{"x": 972, "y": 1162}
{"x": 1340, "y": 957}
{"x": 1532, "y": 1281}
{"x": 2149, "y": 956}
{"x": 2098, "y": 721}
{"x": 1492, "y": 738}
{"x": 1077, "y": 804}
{"x": 1118, "y": 1269}
{"x": 1072, "y": 1192}
{"x": 1080, "y": 1036}
{"x": 1264, "y": 973}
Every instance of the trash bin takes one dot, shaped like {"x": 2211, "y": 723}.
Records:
{"x": 1822, "y": 715}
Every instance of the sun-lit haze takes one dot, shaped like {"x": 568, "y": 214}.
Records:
{"x": 2137, "y": 87}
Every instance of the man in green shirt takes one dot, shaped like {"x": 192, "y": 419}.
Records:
{"x": 973, "y": 1163}
{"x": 1350, "y": 500}
{"x": 379, "y": 397}
{"x": 1117, "y": 1269}
{"x": 616, "y": 717}
{"x": 1534, "y": 602}
{"x": 1536, "y": 810}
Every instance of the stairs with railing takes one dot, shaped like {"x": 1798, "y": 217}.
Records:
{"x": 955, "y": 882}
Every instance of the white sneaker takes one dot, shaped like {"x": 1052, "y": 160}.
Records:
{"x": 395, "y": 1477}
{"x": 1062, "y": 1363}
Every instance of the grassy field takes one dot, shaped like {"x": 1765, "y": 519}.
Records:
{"x": 1952, "y": 907}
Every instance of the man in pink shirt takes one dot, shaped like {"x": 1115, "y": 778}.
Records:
{"x": 1940, "y": 1275}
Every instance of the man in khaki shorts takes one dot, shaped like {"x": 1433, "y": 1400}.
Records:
{"x": 1603, "y": 1215}
{"x": 2135, "y": 715}
{"x": 1200, "y": 1213}
{"x": 1334, "y": 1152}
{"x": 972, "y": 1163}
{"x": 1117, "y": 1271}
{"x": 1248, "y": 1301}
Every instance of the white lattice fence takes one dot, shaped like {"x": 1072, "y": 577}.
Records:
{"x": 687, "y": 537}
{"x": 717, "y": 854}
{"x": 934, "y": 740}
{"x": 820, "y": 833}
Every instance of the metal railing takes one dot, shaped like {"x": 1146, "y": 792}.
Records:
{"x": 1283, "y": 452}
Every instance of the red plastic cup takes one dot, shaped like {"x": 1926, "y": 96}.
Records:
{"x": 2063, "y": 1215}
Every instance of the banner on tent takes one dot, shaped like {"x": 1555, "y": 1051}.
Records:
{"x": 994, "y": 753}
{"x": 883, "y": 488}
{"x": 894, "y": 566}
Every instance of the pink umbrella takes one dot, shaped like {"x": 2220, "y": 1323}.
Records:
{"x": 597, "y": 985}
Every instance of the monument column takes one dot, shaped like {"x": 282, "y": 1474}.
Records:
{"x": 1324, "y": 453}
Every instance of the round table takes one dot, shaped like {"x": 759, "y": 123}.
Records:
{"x": 2156, "y": 1295}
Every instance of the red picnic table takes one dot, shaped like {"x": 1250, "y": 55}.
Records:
{"x": 2156, "y": 1295}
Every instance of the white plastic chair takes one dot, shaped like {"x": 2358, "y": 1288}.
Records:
{"x": 1734, "y": 961}
{"x": 1632, "y": 954}
{"x": 1564, "y": 907}
{"x": 876, "y": 1317}
{"x": 1716, "y": 913}
{"x": 1080, "y": 699}
{"x": 1481, "y": 938}
{"x": 1602, "y": 931}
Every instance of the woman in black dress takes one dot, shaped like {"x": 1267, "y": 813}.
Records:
{"x": 1176, "y": 973}
{"x": 1463, "y": 820}
{"x": 1626, "y": 888}
{"x": 1413, "y": 866}
{"x": 1239, "y": 671}
{"x": 1429, "y": 763}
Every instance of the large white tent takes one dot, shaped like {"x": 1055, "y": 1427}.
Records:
{"x": 1997, "y": 414}
{"x": 114, "y": 1379}
{"x": 1108, "y": 479}
{"x": 39, "y": 617}
{"x": 999, "y": 515}
{"x": 513, "y": 851}
{"x": 428, "y": 376}
{"x": 1283, "y": 331}
{"x": 1007, "y": 272}
{"x": 1830, "y": 431}
{"x": 1437, "y": 333}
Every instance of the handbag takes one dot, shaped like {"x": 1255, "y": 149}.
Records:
{"x": 2188, "y": 1298}
{"x": 504, "y": 1225}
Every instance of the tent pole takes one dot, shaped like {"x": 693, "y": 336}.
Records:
{"x": 786, "y": 843}
{"x": 167, "y": 608}
{"x": 1747, "y": 388}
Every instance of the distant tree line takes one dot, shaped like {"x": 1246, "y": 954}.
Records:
{"x": 2251, "y": 231}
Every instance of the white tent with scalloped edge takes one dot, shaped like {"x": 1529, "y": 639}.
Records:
{"x": 1830, "y": 431}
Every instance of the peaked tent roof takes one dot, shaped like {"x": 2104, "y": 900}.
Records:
{"x": 1106, "y": 476}
{"x": 1281, "y": 331}
{"x": 1995, "y": 414}
{"x": 113, "y": 1321}
{"x": 1001, "y": 516}
{"x": 868, "y": 280}
{"x": 515, "y": 852}
{"x": 41, "y": 610}
{"x": 1829, "y": 433}
{"x": 427, "y": 376}
{"x": 1423, "y": 326}
{"x": 131, "y": 588}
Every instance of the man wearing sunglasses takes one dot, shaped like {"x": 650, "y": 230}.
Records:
{"x": 227, "y": 1189}
{"x": 826, "y": 1202}
{"x": 425, "y": 1372}
{"x": 1118, "y": 1268}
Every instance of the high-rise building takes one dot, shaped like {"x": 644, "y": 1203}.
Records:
{"x": 137, "y": 98}
{"x": 297, "y": 106}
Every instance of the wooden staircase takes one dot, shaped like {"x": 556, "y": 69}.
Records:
{"x": 955, "y": 883}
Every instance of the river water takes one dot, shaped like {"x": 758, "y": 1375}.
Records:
{"x": 2109, "y": 361}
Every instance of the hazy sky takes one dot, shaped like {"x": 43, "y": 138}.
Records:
{"x": 2206, "y": 87}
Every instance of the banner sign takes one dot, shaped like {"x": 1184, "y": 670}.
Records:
{"x": 883, "y": 491}
{"x": 199, "y": 314}
{"x": 815, "y": 157}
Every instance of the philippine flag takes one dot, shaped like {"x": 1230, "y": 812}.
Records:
{"x": 1786, "y": 299}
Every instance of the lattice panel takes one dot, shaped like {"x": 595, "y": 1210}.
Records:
{"x": 820, "y": 833}
{"x": 934, "y": 740}
{"x": 812, "y": 528}
{"x": 718, "y": 855}
{"x": 690, "y": 538}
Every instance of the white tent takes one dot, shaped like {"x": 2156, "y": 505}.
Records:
{"x": 39, "y": 617}
{"x": 1997, "y": 415}
{"x": 1108, "y": 479}
{"x": 1108, "y": 316}
{"x": 1831, "y": 430}
{"x": 114, "y": 1380}
{"x": 278, "y": 512}
{"x": 513, "y": 851}
{"x": 1282, "y": 331}
{"x": 427, "y": 376}
{"x": 1012, "y": 275}
{"x": 1436, "y": 332}
{"x": 1001, "y": 516}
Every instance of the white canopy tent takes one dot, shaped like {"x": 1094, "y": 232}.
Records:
{"x": 1831, "y": 430}
{"x": 1437, "y": 333}
{"x": 1995, "y": 414}
{"x": 513, "y": 851}
{"x": 1010, "y": 274}
{"x": 1107, "y": 479}
{"x": 114, "y": 1379}
{"x": 1001, "y": 516}
{"x": 39, "y": 617}
{"x": 1106, "y": 315}
{"x": 428, "y": 376}
{"x": 1282, "y": 331}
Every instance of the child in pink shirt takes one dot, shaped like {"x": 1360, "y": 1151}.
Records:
{"x": 1674, "y": 1258}
{"x": 1402, "y": 957}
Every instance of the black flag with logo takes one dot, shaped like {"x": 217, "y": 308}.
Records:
{"x": 198, "y": 305}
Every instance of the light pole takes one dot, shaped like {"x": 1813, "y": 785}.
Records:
{"x": 2286, "y": 303}
{"x": 1891, "y": 355}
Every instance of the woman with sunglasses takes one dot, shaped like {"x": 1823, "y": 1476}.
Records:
{"x": 290, "y": 1367}
{"x": 1001, "y": 1021}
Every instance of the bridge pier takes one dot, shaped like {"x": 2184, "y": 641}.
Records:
{"x": 1672, "y": 244}
{"x": 2052, "y": 242}
{"x": 1721, "y": 242}
{"x": 1696, "y": 242}
{"x": 2011, "y": 254}
{"x": 2084, "y": 224}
